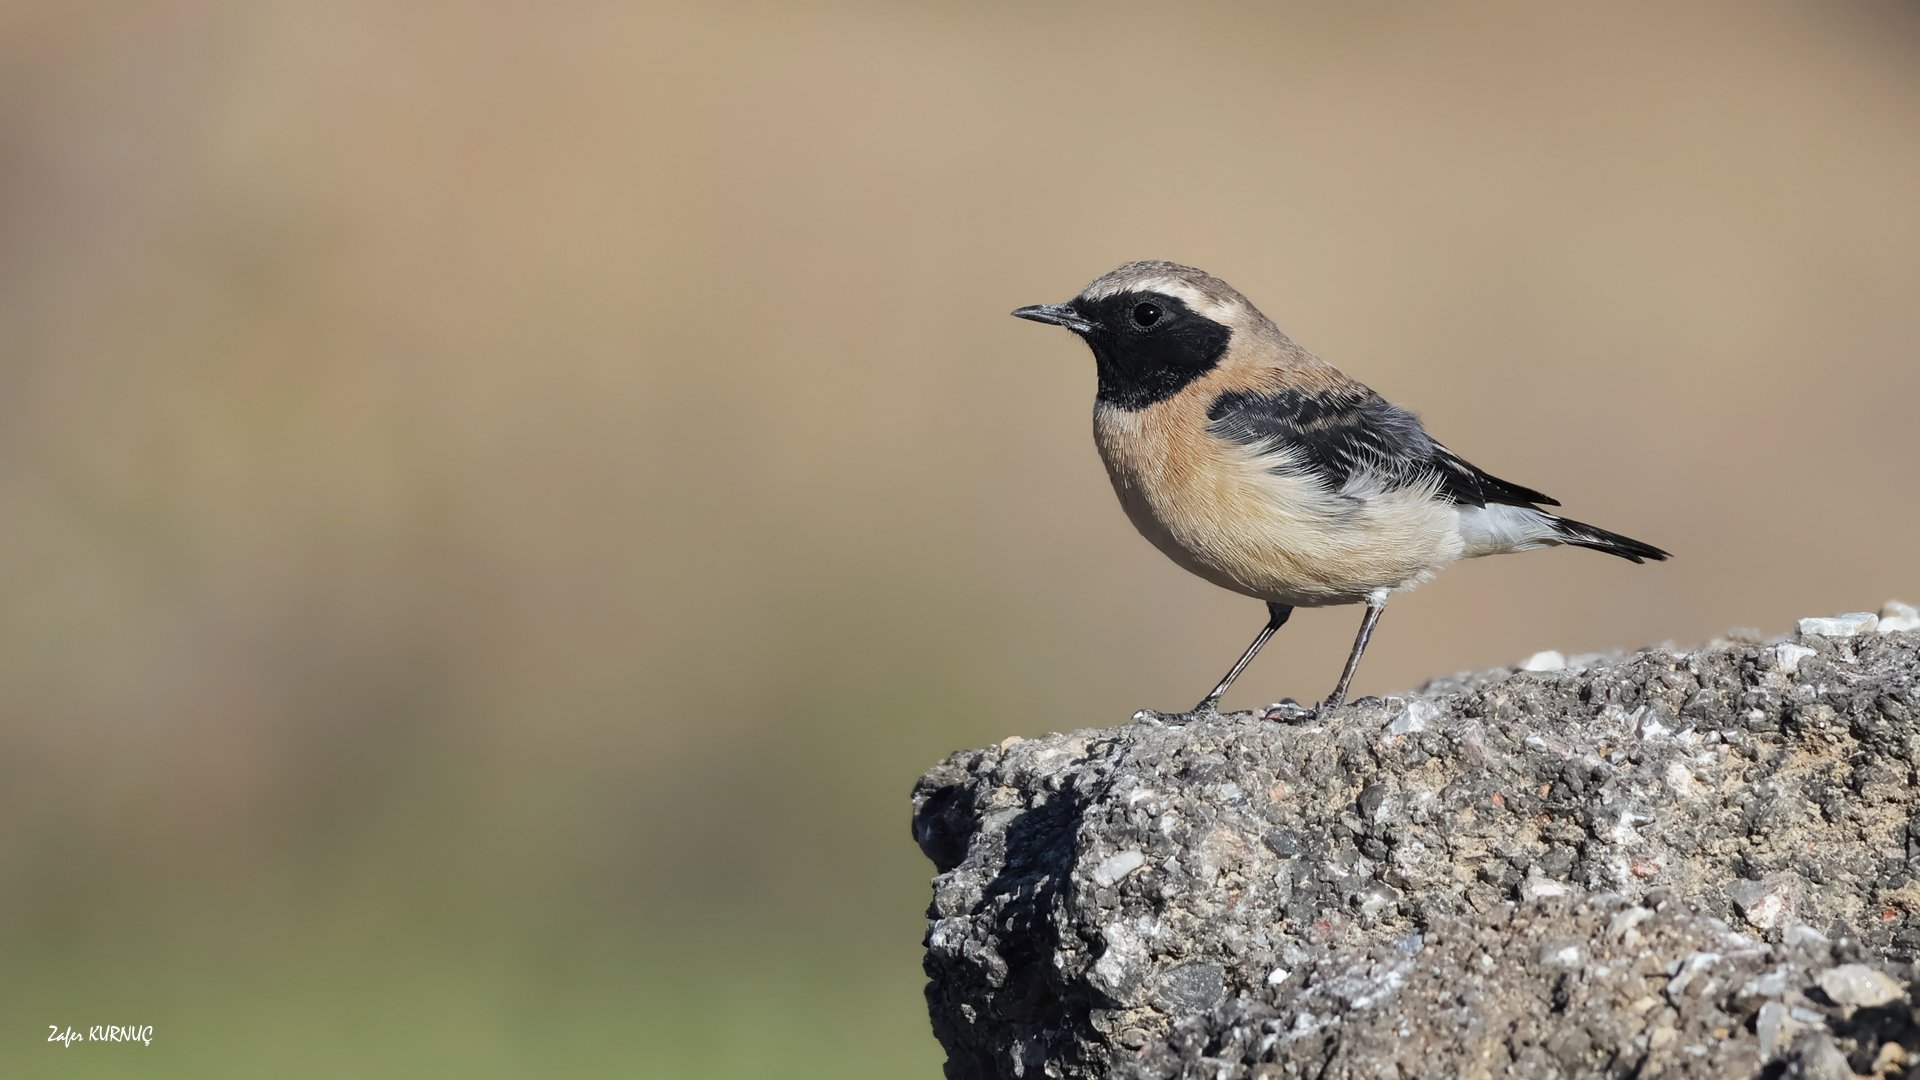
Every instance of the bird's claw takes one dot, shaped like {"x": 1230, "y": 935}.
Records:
{"x": 1290, "y": 712}
{"x": 1194, "y": 715}
{"x": 1155, "y": 716}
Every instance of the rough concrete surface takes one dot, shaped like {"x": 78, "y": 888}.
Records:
{"x": 1658, "y": 864}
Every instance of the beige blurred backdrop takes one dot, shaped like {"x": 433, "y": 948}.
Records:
{"x": 499, "y": 502}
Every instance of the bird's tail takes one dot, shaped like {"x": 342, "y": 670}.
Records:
{"x": 1580, "y": 534}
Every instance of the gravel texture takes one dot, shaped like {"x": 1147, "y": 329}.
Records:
{"x": 1447, "y": 883}
{"x": 1594, "y": 986}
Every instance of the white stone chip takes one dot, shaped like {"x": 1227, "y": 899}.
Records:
{"x": 1771, "y": 1024}
{"x": 1686, "y": 969}
{"x": 1771, "y": 985}
{"x": 1858, "y": 984}
{"x": 1544, "y": 661}
{"x": 1117, "y": 866}
{"x": 1849, "y": 625}
{"x": 1277, "y": 976}
{"x": 1802, "y": 934}
{"x": 1566, "y": 956}
{"x": 1681, "y": 780}
{"x": 1541, "y": 888}
{"x": 1896, "y": 616}
{"x": 1618, "y": 926}
{"x": 1374, "y": 901}
{"x": 1120, "y": 968}
{"x": 1412, "y": 718}
{"x": 1788, "y": 657}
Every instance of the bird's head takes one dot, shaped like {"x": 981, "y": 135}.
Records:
{"x": 1153, "y": 327}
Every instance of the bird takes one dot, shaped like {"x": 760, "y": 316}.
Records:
{"x": 1265, "y": 470}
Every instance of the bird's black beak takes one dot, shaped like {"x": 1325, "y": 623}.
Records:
{"x": 1056, "y": 314}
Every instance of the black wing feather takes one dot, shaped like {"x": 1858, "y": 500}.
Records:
{"x": 1331, "y": 436}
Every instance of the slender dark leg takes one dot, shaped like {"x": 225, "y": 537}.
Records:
{"x": 1276, "y": 618}
{"x": 1209, "y": 705}
{"x": 1376, "y": 602}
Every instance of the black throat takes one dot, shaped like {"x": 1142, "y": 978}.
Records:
{"x": 1141, "y": 366}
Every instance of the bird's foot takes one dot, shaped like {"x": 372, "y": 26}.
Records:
{"x": 1289, "y": 711}
{"x": 1198, "y": 713}
{"x": 1155, "y": 716}
{"x": 1333, "y": 705}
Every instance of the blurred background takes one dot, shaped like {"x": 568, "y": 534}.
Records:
{"x": 500, "y": 501}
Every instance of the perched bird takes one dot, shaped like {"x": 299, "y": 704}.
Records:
{"x": 1262, "y": 468}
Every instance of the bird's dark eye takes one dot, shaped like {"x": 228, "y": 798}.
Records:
{"x": 1146, "y": 314}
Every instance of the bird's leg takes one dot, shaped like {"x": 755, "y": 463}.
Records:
{"x": 1209, "y": 705}
{"x": 1376, "y": 602}
{"x": 1276, "y": 618}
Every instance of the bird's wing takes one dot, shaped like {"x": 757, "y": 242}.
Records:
{"x": 1334, "y": 435}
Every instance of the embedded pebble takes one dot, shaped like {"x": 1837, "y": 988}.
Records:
{"x": 1544, "y": 661}
{"x": 1117, "y": 866}
{"x": 1858, "y": 984}
{"x": 1787, "y": 656}
{"x": 1805, "y": 935}
{"x": 1821, "y": 1060}
{"x": 1412, "y": 718}
{"x": 1565, "y": 956}
{"x": 1770, "y": 902}
{"x": 1896, "y": 617}
{"x": 1771, "y": 985}
{"x": 1540, "y": 888}
{"x": 1850, "y": 625}
{"x": 1769, "y": 1025}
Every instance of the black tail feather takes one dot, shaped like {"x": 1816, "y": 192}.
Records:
{"x": 1580, "y": 534}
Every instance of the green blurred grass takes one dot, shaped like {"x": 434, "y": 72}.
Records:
{"x": 748, "y": 1009}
